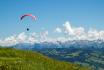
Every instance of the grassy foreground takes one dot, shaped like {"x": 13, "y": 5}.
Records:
{"x": 12, "y": 59}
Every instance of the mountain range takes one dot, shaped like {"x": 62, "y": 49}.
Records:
{"x": 58, "y": 44}
{"x": 83, "y": 52}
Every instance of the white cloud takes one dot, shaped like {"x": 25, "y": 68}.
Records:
{"x": 101, "y": 34}
{"x": 68, "y": 29}
{"x": 58, "y": 30}
{"x": 8, "y": 41}
{"x": 21, "y": 38}
{"x": 43, "y": 35}
{"x": 79, "y": 33}
{"x": 31, "y": 40}
{"x": 68, "y": 32}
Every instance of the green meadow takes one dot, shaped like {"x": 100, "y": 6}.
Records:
{"x": 12, "y": 59}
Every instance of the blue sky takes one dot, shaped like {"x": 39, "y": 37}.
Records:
{"x": 50, "y": 14}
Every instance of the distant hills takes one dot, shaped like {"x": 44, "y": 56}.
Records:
{"x": 93, "y": 58}
{"x": 12, "y": 59}
{"x": 83, "y": 52}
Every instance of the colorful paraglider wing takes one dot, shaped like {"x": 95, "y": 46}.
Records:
{"x": 30, "y": 15}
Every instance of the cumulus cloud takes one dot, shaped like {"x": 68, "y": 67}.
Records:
{"x": 58, "y": 30}
{"x": 79, "y": 33}
{"x": 67, "y": 28}
{"x": 67, "y": 32}
{"x": 8, "y": 41}
{"x": 21, "y": 38}
{"x": 43, "y": 35}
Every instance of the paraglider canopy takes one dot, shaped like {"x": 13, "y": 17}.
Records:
{"x": 28, "y": 15}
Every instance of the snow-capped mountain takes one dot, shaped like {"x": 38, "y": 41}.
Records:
{"x": 59, "y": 44}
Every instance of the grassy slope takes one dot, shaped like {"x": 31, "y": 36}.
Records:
{"x": 12, "y": 59}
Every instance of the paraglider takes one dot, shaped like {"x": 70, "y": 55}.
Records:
{"x": 28, "y": 15}
{"x": 27, "y": 29}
